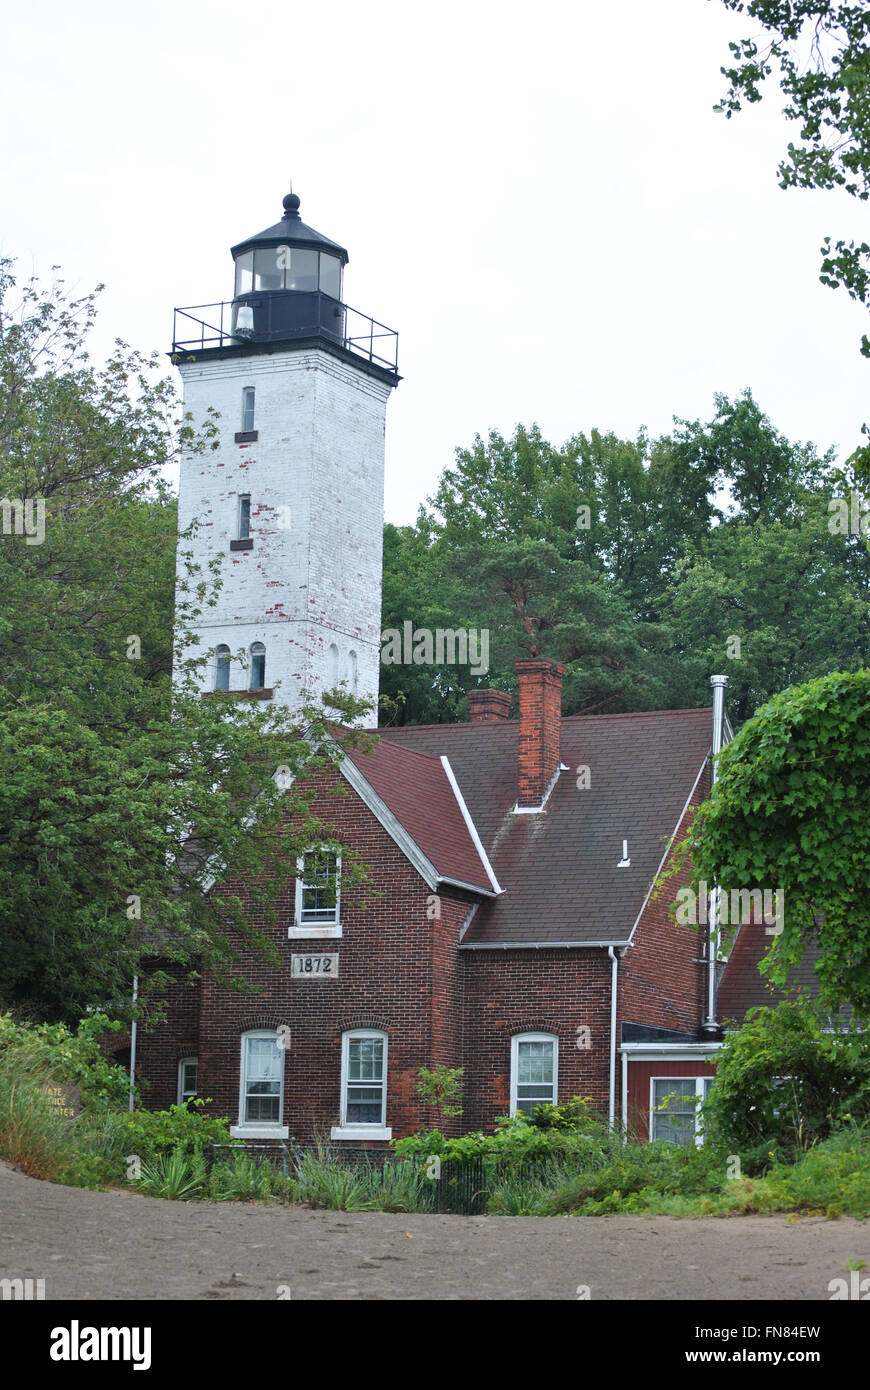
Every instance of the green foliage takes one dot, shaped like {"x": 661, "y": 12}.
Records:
{"x": 783, "y": 1084}
{"x": 72, "y": 1057}
{"x": 176, "y": 1175}
{"x": 643, "y": 603}
{"x": 105, "y": 766}
{"x": 244, "y": 1178}
{"x": 641, "y": 1175}
{"x": 442, "y": 1088}
{"x": 185, "y": 1129}
{"x": 517, "y": 1140}
{"x": 789, "y": 813}
{"x": 322, "y": 1180}
{"x": 574, "y": 1116}
{"x": 821, "y": 51}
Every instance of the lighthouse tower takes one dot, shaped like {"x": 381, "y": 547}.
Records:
{"x": 291, "y": 502}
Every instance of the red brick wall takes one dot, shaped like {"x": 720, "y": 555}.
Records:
{"x": 557, "y": 991}
{"x": 160, "y": 1048}
{"x": 662, "y": 981}
{"x": 397, "y": 972}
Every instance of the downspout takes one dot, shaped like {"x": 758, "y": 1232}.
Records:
{"x": 133, "y": 1043}
{"x": 710, "y": 1025}
{"x": 614, "y": 969}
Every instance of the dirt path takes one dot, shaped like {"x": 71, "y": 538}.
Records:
{"x": 89, "y": 1245}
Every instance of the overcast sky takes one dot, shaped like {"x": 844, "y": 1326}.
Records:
{"x": 539, "y": 197}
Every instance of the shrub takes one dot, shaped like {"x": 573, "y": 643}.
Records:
{"x": 518, "y": 1140}
{"x": 177, "y": 1175}
{"x": 783, "y": 1084}
{"x": 76, "y": 1057}
{"x": 183, "y": 1127}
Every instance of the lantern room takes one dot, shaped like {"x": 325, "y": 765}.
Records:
{"x": 288, "y": 281}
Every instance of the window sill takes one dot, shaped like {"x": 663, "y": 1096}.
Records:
{"x": 246, "y": 436}
{"x": 325, "y": 932}
{"x": 246, "y": 544}
{"x": 265, "y": 694}
{"x": 361, "y": 1132}
{"x": 260, "y": 1131}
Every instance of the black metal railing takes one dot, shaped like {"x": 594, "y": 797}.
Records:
{"x": 280, "y": 317}
{"x": 460, "y": 1187}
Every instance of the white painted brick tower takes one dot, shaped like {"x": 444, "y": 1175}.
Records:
{"x": 292, "y": 500}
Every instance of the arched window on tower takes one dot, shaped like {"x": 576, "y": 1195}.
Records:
{"x": 258, "y": 666}
{"x": 248, "y": 398}
{"x": 353, "y": 676}
{"x": 332, "y": 666}
{"x": 222, "y": 671}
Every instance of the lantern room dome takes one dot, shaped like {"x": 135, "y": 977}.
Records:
{"x": 289, "y": 256}
{"x": 292, "y": 231}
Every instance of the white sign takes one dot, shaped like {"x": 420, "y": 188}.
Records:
{"x": 315, "y": 967}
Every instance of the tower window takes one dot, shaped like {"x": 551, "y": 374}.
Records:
{"x": 258, "y": 666}
{"x": 247, "y": 408}
{"x": 222, "y": 674}
{"x": 244, "y": 516}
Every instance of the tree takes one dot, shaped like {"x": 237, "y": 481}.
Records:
{"x": 789, "y": 814}
{"x": 642, "y": 565}
{"x": 821, "y": 51}
{"x": 555, "y": 552}
{"x": 771, "y": 595}
{"x": 105, "y": 769}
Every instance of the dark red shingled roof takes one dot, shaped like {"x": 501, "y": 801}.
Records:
{"x": 415, "y": 787}
{"x": 558, "y": 869}
{"x": 743, "y": 987}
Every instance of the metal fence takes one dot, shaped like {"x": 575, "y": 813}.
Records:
{"x": 460, "y": 1188}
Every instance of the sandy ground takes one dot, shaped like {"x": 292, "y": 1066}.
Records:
{"x": 90, "y": 1245}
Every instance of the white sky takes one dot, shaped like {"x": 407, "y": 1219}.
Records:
{"x": 539, "y": 198}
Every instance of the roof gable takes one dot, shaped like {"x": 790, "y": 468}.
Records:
{"x": 559, "y": 870}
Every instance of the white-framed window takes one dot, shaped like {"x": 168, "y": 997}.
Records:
{"x": 258, "y": 666}
{"x": 244, "y": 526}
{"x": 222, "y": 668}
{"x": 363, "y": 1086}
{"x": 318, "y": 893}
{"x": 261, "y": 1088}
{"x": 188, "y": 1076}
{"x": 674, "y": 1102}
{"x": 248, "y": 395}
{"x": 534, "y": 1071}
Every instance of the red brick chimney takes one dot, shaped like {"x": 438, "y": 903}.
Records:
{"x": 489, "y": 706}
{"x": 540, "y": 685}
